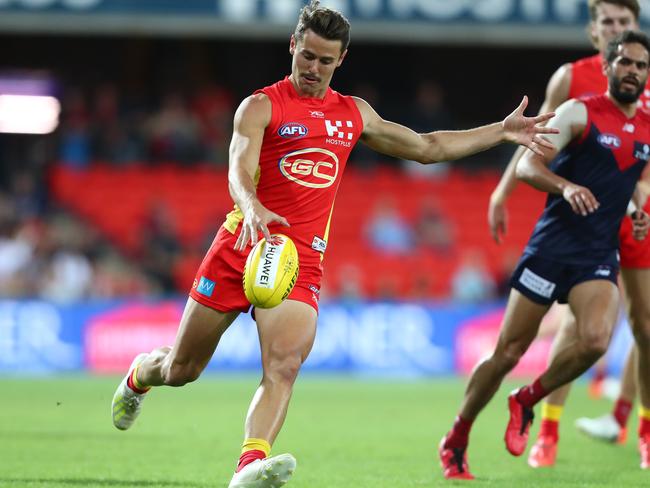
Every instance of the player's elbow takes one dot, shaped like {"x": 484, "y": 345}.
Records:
{"x": 523, "y": 171}
{"x": 433, "y": 149}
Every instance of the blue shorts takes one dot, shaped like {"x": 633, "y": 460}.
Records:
{"x": 545, "y": 281}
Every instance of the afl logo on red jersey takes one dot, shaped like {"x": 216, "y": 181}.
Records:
{"x": 311, "y": 167}
{"x": 610, "y": 141}
{"x": 292, "y": 130}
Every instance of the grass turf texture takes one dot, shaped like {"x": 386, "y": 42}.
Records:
{"x": 344, "y": 433}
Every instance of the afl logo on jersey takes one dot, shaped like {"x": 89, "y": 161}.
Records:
{"x": 312, "y": 167}
{"x": 610, "y": 141}
{"x": 292, "y": 130}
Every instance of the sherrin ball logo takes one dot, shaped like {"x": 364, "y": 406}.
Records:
{"x": 271, "y": 271}
{"x": 312, "y": 167}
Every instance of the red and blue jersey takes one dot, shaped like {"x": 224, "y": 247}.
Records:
{"x": 304, "y": 153}
{"x": 608, "y": 158}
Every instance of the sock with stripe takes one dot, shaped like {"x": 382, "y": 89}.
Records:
{"x": 551, "y": 415}
{"x": 136, "y": 385}
{"x": 529, "y": 395}
{"x": 621, "y": 412}
{"x": 253, "y": 449}
{"x": 458, "y": 437}
{"x": 644, "y": 422}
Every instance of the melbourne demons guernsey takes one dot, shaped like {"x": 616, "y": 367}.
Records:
{"x": 587, "y": 79}
{"x": 608, "y": 158}
{"x": 304, "y": 152}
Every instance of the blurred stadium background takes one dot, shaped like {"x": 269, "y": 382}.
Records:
{"x": 115, "y": 119}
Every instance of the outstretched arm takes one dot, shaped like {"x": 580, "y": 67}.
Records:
{"x": 399, "y": 141}
{"x": 251, "y": 119}
{"x": 557, "y": 92}
{"x": 533, "y": 167}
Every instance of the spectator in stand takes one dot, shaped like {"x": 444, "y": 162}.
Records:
{"x": 160, "y": 248}
{"x": 174, "y": 132}
{"x": 471, "y": 282}
{"x": 432, "y": 230}
{"x": 428, "y": 110}
{"x": 213, "y": 107}
{"x": 387, "y": 230}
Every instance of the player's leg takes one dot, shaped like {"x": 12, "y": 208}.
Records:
{"x": 544, "y": 451}
{"x": 612, "y": 427}
{"x": 520, "y": 324}
{"x": 197, "y": 337}
{"x": 287, "y": 334}
{"x": 637, "y": 290}
{"x": 594, "y": 304}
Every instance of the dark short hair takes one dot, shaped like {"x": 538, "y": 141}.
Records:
{"x": 627, "y": 37}
{"x": 632, "y": 5}
{"x": 325, "y": 22}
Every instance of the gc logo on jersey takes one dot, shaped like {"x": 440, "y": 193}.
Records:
{"x": 312, "y": 167}
{"x": 610, "y": 141}
{"x": 292, "y": 130}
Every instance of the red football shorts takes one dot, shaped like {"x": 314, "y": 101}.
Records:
{"x": 218, "y": 282}
{"x": 634, "y": 254}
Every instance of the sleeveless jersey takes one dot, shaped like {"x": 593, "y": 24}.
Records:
{"x": 587, "y": 79}
{"x": 608, "y": 158}
{"x": 304, "y": 152}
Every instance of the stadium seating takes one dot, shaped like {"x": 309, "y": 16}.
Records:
{"x": 118, "y": 201}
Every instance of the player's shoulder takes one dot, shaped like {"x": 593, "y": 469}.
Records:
{"x": 588, "y": 61}
{"x": 255, "y": 108}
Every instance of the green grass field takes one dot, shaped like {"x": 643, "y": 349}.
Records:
{"x": 344, "y": 432}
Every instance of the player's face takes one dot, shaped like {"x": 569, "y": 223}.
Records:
{"x": 628, "y": 72}
{"x": 314, "y": 61}
{"x": 611, "y": 20}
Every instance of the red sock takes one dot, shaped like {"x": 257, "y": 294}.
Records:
{"x": 549, "y": 428}
{"x": 458, "y": 437}
{"x": 529, "y": 395}
{"x": 622, "y": 409}
{"x": 131, "y": 384}
{"x": 248, "y": 457}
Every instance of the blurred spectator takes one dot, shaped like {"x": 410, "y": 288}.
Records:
{"x": 362, "y": 156}
{"x": 214, "y": 108}
{"x": 509, "y": 262}
{"x": 174, "y": 133}
{"x": 428, "y": 113}
{"x": 113, "y": 139}
{"x": 433, "y": 231}
{"x": 471, "y": 282}
{"x": 387, "y": 231}
{"x": 74, "y": 131}
{"x": 160, "y": 247}
{"x": 350, "y": 278}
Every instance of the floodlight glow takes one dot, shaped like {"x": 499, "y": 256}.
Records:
{"x": 28, "y": 114}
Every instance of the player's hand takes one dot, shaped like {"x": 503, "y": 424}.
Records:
{"x": 527, "y": 131}
{"x": 640, "y": 225}
{"x": 582, "y": 201}
{"x": 497, "y": 217}
{"x": 256, "y": 219}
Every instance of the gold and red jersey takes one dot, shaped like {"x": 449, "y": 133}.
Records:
{"x": 304, "y": 153}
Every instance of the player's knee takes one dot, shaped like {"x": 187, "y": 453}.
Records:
{"x": 508, "y": 356}
{"x": 594, "y": 343}
{"x": 179, "y": 374}
{"x": 283, "y": 369}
